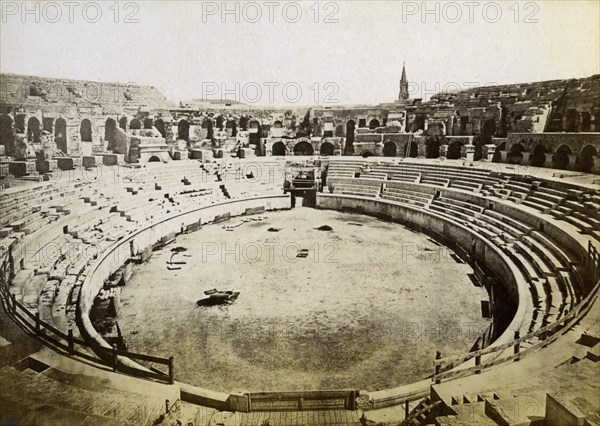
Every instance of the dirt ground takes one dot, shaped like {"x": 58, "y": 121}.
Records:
{"x": 365, "y": 309}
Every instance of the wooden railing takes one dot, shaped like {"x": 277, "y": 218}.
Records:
{"x": 67, "y": 344}
{"x": 545, "y": 335}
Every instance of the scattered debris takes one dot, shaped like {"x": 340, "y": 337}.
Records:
{"x": 302, "y": 253}
{"x": 355, "y": 224}
{"x": 216, "y": 297}
{"x": 274, "y": 229}
{"x": 324, "y": 228}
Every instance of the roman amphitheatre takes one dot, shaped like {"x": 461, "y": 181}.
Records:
{"x": 413, "y": 262}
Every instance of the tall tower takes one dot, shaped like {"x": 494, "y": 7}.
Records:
{"x": 403, "y": 85}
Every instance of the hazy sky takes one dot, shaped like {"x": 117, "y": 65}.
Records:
{"x": 353, "y": 53}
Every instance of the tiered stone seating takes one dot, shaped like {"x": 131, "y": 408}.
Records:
{"x": 550, "y": 271}
{"x": 400, "y": 195}
{"x": 342, "y": 169}
{"x": 397, "y": 174}
{"x": 356, "y": 186}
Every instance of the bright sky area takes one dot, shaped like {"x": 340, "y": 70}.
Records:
{"x": 191, "y": 49}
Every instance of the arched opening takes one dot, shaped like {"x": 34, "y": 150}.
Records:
{"x": 366, "y": 154}
{"x": 7, "y": 135}
{"x": 278, "y": 148}
{"x": 123, "y": 123}
{"x": 277, "y": 124}
{"x": 454, "y": 151}
{"x": 60, "y": 134}
{"x": 350, "y": 128}
{"x": 586, "y": 121}
{"x": 154, "y": 159}
{"x": 110, "y": 127}
{"x": 160, "y": 126}
{"x": 183, "y": 130}
{"x": 254, "y": 132}
{"x": 390, "y": 149}
{"x": 85, "y": 130}
{"x": 374, "y": 123}
{"x": 432, "y": 148}
{"x": 34, "y": 131}
{"x": 208, "y": 125}
{"x": 571, "y": 125}
{"x": 231, "y": 124}
{"x": 243, "y": 123}
{"x": 487, "y": 131}
{"x": 497, "y": 158}
{"x": 516, "y": 153}
{"x": 148, "y": 123}
{"x": 327, "y": 148}
{"x": 135, "y": 124}
{"x": 560, "y": 160}
{"x": 586, "y": 158}
{"x": 538, "y": 156}
{"x": 303, "y": 148}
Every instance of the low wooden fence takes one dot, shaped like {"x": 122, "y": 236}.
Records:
{"x": 67, "y": 344}
{"x": 444, "y": 367}
{"x": 303, "y": 400}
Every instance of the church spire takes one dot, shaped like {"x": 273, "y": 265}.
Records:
{"x": 403, "y": 84}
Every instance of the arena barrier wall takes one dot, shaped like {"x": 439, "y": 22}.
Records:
{"x": 506, "y": 347}
{"x": 144, "y": 238}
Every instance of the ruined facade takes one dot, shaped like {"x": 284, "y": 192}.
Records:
{"x": 550, "y": 124}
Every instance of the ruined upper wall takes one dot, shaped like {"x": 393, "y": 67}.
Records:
{"x": 22, "y": 90}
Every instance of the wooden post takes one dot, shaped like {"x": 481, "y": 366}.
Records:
{"x": 166, "y": 406}
{"x": 37, "y": 323}
{"x": 300, "y": 404}
{"x": 171, "y": 371}
{"x": 71, "y": 343}
{"x": 438, "y": 355}
{"x": 406, "y": 411}
{"x": 114, "y": 357}
{"x": 517, "y": 344}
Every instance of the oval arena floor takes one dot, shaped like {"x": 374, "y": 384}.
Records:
{"x": 403, "y": 296}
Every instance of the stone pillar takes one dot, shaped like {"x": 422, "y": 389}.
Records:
{"x": 450, "y": 126}
{"x": 526, "y": 157}
{"x": 469, "y": 151}
{"x": 421, "y": 148}
{"x": 596, "y": 166}
{"x": 572, "y": 162}
{"x": 548, "y": 162}
{"x": 504, "y": 155}
{"x": 443, "y": 151}
{"x": 73, "y": 138}
{"x": 491, "y": 150}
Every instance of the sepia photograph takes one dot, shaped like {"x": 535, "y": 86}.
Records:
{"x": 300, "y": 213}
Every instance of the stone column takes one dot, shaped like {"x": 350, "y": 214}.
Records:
{"x": 504, "y": 155}
{"x": 443, "y": 151}
{"x": 526, "y": 157}
{"x": 572, "y": 162}
{"x": 421, "y": 148}
{"x": 491, "y": 150}
{"x": 596, "y": 166}
{"x": 450, "y": 126}
{"x": 469, "y": 152}
{"x": 73, "y": 138}
{"x": 548, "y": 162}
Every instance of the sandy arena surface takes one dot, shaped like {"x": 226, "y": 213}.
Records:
{"x": 366, "y": 309}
